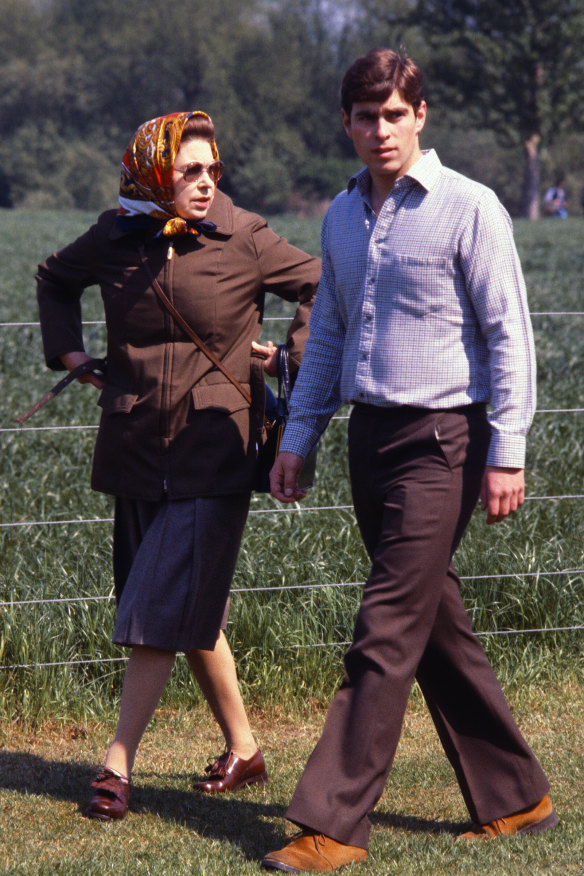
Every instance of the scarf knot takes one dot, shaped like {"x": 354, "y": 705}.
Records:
{"x": 177, "y": 226}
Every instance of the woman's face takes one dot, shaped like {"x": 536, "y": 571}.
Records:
{"x": 193, "y": 199}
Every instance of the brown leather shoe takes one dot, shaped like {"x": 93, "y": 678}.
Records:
{"x": 112, "y": 793}
{"x": 230, "y": 772}
{"x": 531, "y": 820}
{"x": 314, "y": 851}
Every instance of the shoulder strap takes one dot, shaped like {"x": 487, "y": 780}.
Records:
{"x": 188, "y": 330}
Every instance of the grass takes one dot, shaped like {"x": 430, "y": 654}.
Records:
{"x": 55, "y": 721}
{"x": 44, "y": 476}
{"x": 169, "y": 830}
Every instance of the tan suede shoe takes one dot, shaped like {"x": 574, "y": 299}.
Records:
{"x": 313, "y": 851}
{"x": 531, "y": 820}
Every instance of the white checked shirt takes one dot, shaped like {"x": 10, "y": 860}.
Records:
{"x": 424, "y": 305}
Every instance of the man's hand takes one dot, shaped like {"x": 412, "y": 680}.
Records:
{"x": 502, "y": 492}
{"x": 72, "y": 360}
{"x": 284, "y": 478}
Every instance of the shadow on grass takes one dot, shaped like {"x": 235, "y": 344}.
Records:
{"x": 411, "y": 824}
{"x": 239, "y": 819}
{"x": 243, "y": 819}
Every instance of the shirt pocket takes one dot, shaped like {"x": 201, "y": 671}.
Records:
{"x": 419, "y": 285}
{"x": 115, "y": 400}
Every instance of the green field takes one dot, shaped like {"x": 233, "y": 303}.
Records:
{"x": 45, "y": 475}
{"x": 288, "y": 617}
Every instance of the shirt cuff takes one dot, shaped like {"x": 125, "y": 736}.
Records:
{"x": 298, "y": 439}
{"x": 506, "y": 450}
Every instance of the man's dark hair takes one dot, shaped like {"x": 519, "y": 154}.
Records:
{"x": 378, "y": 74}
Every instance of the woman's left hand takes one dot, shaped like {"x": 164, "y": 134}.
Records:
{"x": 79, "y": 357}
{"x": 269, "y": 351}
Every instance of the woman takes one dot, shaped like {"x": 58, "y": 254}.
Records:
{"x": 176, "y": 444}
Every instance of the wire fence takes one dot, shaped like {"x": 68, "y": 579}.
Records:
{"x": 248, "y": 592}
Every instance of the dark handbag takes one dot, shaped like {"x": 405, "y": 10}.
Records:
{"x": 276, "y": 412}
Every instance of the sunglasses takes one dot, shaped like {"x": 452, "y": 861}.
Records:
{"x": 193, "y": 171}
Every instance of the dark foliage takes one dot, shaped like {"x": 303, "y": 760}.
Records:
{"x": 77, "y": 78}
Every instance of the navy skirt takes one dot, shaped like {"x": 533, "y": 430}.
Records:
{"x": 173, "y": 566}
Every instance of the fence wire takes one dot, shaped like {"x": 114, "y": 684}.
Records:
{"x": 286, "y": 510}
{"x": 282, "y": 587}
{"x": 276, "y": 510}
{"x": 283, "y": 318}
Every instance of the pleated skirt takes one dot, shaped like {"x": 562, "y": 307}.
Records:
{"x": 173, "y": 566}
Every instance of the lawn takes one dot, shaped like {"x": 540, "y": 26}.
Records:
{"x": 171, "y": 830}
{"x": 523, "y": 583}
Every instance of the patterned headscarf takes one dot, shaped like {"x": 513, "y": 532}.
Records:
{"x": 146, "y": 187}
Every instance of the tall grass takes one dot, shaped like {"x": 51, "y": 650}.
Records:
{"x": 285, "y": 638}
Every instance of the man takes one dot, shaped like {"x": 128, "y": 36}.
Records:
{"x": 420, "y": 319}
{"x": 554, "y": 200}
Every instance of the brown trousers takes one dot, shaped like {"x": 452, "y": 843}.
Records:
{"x": 415, "y": 477}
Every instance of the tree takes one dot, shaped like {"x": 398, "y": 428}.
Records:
{"x": 89, "y": 74}
{"x": 285, "y": 75}
{"x": 515, "y": 66}
{"x": 78, "y": 77}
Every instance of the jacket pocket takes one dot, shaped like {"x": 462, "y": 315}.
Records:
{"x": 222, "y": 397}
{"x": 115, "y": 400}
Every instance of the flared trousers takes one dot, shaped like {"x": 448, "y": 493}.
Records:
{"x": 415, "y": 477}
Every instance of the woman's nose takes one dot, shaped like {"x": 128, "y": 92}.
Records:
{"x": 205, "y": 181}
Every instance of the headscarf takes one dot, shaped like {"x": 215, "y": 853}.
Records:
{"x": 146, "y": 187}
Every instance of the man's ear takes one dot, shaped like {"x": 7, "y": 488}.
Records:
{"x": 421, "y": 116}
{"x": 346, "y": 124}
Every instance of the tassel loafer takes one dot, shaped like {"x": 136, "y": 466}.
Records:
{"x": 229, "y": 772}
{"x": 111, "y": 797}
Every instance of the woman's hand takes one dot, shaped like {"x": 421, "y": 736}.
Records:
{"x": 72, "y": 360}
{"x": 269, "y": 351}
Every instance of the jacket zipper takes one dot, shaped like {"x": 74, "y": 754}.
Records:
{"x": 167, "y": 365}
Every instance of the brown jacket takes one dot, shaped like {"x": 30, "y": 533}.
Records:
{"x": 171, "y": 422}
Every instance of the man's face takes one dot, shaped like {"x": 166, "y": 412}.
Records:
{"x": 386, "y": 135}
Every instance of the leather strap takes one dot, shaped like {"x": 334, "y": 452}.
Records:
{"x": 189, "y": 331}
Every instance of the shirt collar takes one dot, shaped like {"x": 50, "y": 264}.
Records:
{"x": 425, "y": 172}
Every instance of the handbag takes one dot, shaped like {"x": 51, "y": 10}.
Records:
{"x": 271, "y": 420}
{"x": 276, "y": 412}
